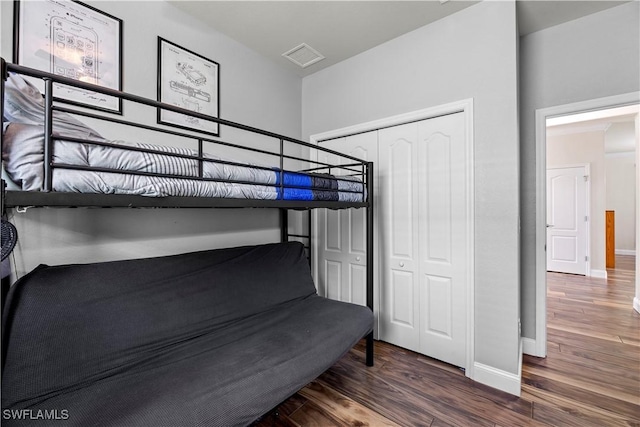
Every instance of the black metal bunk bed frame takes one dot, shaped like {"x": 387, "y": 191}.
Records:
{"x": 50, "y": 198}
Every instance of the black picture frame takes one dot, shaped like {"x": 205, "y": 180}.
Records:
{"x": 190, "y": 81}
{"x": 74, "y": 40}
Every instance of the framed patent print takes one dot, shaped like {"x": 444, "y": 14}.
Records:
{"x": 73, "y": 40}
{"x": 190, "y": 81}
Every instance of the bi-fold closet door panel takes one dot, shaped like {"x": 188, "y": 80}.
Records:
{"x": 398, "y": 219}
{"x": 342, "y": 244}
{"x": 423, "y": 240}
{"x": 442, "y": 198}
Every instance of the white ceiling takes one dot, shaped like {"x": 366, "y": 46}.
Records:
{"x": 600, "y": 121}
{"x": 341, "y": 29}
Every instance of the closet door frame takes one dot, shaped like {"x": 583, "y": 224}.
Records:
{"x": 466, "y": 107}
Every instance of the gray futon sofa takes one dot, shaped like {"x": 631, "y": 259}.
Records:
{"x": 211, "y": 338}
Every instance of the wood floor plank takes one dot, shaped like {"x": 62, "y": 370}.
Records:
{"x": 614, "y": 363}
{"x": 584, "y": 341}
{"x": 279, "y": 416}
{"x": 557, "y": 410}
{"x": 594, "y": 383}
{"x": 582, "y": 330}
{"x": 439, "y": 423}
{"x": 347, "y": 410}
{"x": 590, "y": 377}
{"x": 437, "y": 373}
{"x": 428, "y": 378}
{"x": 569, "y": 363}
{"x": 630, "y": 340}
{"x": 311, "y": 415}
{"x": 457, "y": 406}
{"x": 396, "y": 404}
{"x": 616, "y": 325}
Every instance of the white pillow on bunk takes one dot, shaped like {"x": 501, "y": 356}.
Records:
{"x": 23, "y": 127}
{"x": 23, "y": 154}
{"x": 24, "y": 104}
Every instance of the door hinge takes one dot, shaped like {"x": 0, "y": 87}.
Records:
{"x": 586, "y": 178}
{"x": 586, "y": 258}
{"x": 586, "y": 218}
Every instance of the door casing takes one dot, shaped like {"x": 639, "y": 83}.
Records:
{"x": 538, "y": 346}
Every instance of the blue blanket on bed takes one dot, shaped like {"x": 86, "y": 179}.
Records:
{"x": 324, "y": 187}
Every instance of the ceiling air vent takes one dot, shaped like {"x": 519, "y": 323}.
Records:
{"x": 303, "y": 55}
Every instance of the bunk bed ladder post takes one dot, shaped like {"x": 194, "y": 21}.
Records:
{"x": 284, "y": 225}
{"x": 370, "y": 258}
{"x": 309, "y": 233}
{"x": 48, "y": 134}
{"x": 281, "y": 171}
{"x": 200, "y": 157}
{"x": 284, "y": 213}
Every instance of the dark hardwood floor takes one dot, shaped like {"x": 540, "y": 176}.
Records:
{"x": 591, "y": 376}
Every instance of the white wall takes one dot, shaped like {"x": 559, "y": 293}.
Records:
{"x": 471, "y": 54}
{"x": 253, "y": 90}
{"x": 621, "y": 198}
{"x": 592, "y": 57}
{"x": 621, "y": 184}
{"x": 578, "y": 149}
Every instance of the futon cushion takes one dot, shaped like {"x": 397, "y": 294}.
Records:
{"x": 66, "y": 327}
{"x": 227, "y": 377}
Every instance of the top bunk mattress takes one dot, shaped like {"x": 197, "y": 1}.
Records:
{"x": 85, "y": 162}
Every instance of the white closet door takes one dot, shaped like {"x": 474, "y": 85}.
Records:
{"x": 342, "y": 233}
{"x": 442, "y": 211}
{"x": 398, "y": 216}
{"x": 422, "y": 236}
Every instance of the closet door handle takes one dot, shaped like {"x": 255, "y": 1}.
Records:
{"x": 402, "y": 264}
{"x": 357, "y": 258}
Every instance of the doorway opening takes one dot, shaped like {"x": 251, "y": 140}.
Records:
{"x": 563, "y": 123}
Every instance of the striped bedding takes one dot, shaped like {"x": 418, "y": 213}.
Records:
{"x": 23, "y": 154}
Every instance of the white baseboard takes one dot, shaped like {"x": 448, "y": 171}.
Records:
{"x": 530, "y": 347}
{"x": 625, "y": 252}
{"x": 599, "y": 274}
{"x": 636, "y": 304}
{"x": 496, "y": 378}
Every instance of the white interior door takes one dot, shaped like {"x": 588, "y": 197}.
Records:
{"x": 342, "y": 248}
{"x": 567, "y": 220}
{"x": 398, "y": 214}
